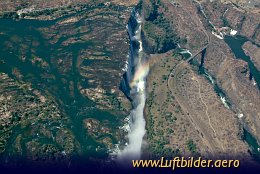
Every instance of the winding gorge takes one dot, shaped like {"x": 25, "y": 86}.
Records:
{"x": 135, "y": 81}
{"x": 111, "y": 82}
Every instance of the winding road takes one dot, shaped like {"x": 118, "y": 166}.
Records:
{"x": 212, "y": 142}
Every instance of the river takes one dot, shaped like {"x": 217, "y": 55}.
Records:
{"x": 25, "y": 33}
{"x": 235, "y": 43}
{"x": 135, "y": 78}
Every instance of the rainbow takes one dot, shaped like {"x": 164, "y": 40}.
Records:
{"x": 139, "y": 77}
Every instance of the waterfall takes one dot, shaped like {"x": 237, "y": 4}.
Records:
{"x": 135, "y": 79}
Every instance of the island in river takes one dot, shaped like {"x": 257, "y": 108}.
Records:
{"x": 63, "y": 66}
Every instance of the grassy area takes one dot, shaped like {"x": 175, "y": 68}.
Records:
{"x": 158, "y": 29}
{"x": 191, "y": 146}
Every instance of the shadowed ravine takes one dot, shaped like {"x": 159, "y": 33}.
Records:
{"x": 135, "y": 80}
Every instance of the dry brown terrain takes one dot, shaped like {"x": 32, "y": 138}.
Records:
{"x": 88, "y": 51}
{"x": 254, "y": 52}
{"x": 8, "y": 5}
{"x": 233, "y": 77}
{"x": 216, "y": 123}
{"x": 169, "y": 126}
{"x": 183, "y": 106}
{"x": 252, "y": 5}
{"x": 244, "y": 20}
{"x": 186, "y": 108}
{"x": 75, "y": 62}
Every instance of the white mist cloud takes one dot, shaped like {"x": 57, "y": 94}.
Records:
{"x": 137, "y": 131}
{"x": 136, "y": 121}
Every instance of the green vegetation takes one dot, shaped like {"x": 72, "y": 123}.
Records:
{"x": 225, "y": 22}
{"x": 12, "y": 15}
{"x": 164, "y": 77}
{"x": 44, "y": 77}
{"x": 158, "y": 28}
{"x": 191, "y": 146}
{"x": 252, "y": 142}
{"x": 53, "y": 12}
{"x": 178, "y": 109}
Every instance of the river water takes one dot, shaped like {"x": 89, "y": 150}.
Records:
{"x": 235, "y": 43}
{"x": 137, "y": 71}
{"x": 23, "y": 33}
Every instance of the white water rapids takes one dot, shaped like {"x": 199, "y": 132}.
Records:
{"x": 137, "y": 71}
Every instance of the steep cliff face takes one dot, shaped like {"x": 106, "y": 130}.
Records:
{"x": 158, "y": 32}
{"x": 241, "y": 18}
{"x": 51, "y": 9}
{"x": 233, "y": 76}
{"x": 133, "y": 51}
{"x": 137, "y": 71}
{"x": 253, "y": 51}
{"x": 168, "y": 25}
{"x": 76, "y": 60}
{"x": 235, "y": 72}
{"x": 184, "y": 109}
